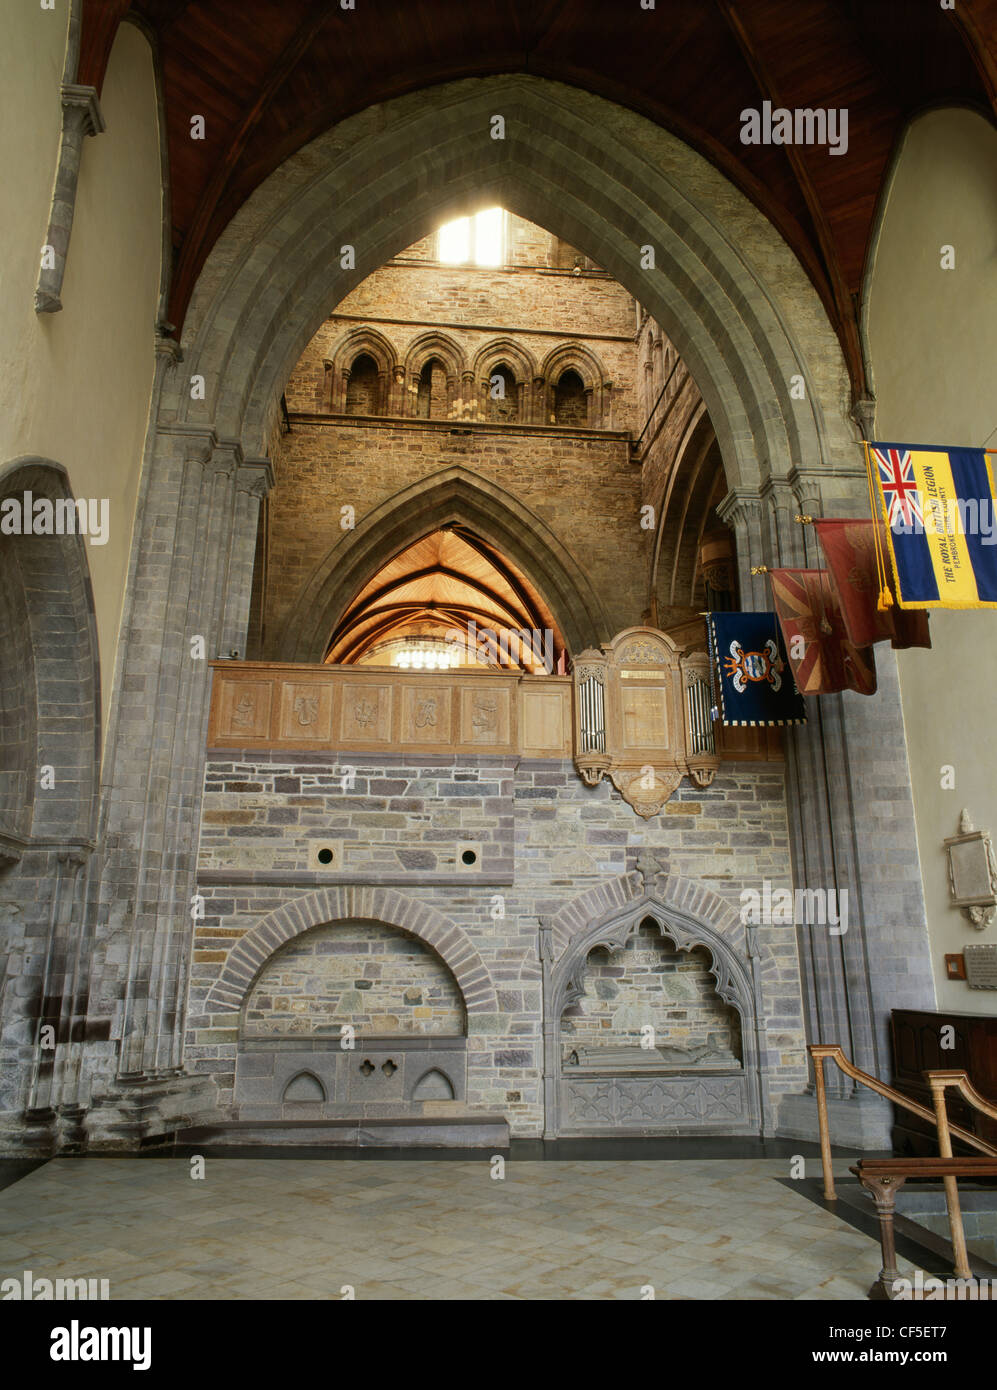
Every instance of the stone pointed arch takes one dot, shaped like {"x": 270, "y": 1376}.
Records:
{"x": 340, "y": 904}
{"x": 498, "y": 351}
{"x": 691, "y": 916}
{"x": 573, "y": 357}
{"x": 364, "y": 341}
{"x": 311, "y": 1083}
{"x": 454, "y": 494}
{"x": 435, "y": 344}
{"x": 600, "y": 177}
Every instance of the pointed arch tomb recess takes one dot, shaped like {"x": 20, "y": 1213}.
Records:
{"x": 648, "y": 1094}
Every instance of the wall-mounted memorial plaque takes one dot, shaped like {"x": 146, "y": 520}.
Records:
{"x": 981, "y": 966}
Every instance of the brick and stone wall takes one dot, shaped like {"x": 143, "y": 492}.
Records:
{"x": 582, "y": 484}
{"x": 364, "y": 976}
{"x": 650, "y": 983}
{"x": 545, "y": 839}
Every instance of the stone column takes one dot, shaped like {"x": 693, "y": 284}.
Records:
{"x": 55, "y": 1008}
{"x": 467, "y": 395}
{"x": 741, "y": 510}
{"x": 191, "y": 566}
{"x": 843, "y": 768}
{"x": 81, "y": 116}
{"x": 550, "y": 1029}
{"x": 254, "y": 481}
{"x": 540, "y": 411}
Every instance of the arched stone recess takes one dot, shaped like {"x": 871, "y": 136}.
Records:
{"x": 365, "y": 340}
{"x": 330, "y": 905}
{"x": 452, "y": 495}
{"x": 690, "y": 915}
{"x": 361, "y": 342}
{"x": 51, "y": 689}
{"x": 503, "y": 351}
{"x": 430, "y": 345}
{"x": 573, "y": 357}
{"x": 594, "y": 174}
{"x": 50, "y": 730}
{"x": 503, "y": 358}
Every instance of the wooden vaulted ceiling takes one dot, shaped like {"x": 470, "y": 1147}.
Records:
{"x": 441, "y": 584}
{"x": 270, "y": 75}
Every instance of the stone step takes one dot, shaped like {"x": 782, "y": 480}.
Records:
{"x": 457, "y": 1132}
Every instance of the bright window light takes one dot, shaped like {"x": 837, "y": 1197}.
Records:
{"x": 488, "y": 237}
{"x": 473, "y": 240}
{"x": 455, "y": 241}
{"x": 427, "y": 656}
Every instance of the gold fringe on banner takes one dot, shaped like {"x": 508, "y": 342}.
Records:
{"x": 885, "y": 599}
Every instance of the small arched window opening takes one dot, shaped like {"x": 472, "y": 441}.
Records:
{"x": 362, "y": 389}
{"x": 570, "y": 405}
{"x": 502, "y": 394}
{"x": 431, "y": 400}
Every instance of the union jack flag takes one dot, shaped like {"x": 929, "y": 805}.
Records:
{"x": 896, "y": 478}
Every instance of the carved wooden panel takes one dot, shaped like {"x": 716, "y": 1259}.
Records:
{"x": 645, "y": 717}
{"x": 305, "y": 712}
{"x": 485, "y": 716}
{"x": 366, "y": 714}
{"x": 427, "y": 715}
{"x": 243, "y": 710}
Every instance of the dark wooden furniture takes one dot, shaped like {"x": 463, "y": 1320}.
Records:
{"x": 916, "y": 1039}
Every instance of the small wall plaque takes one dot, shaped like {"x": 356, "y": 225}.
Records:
{"x": 972, "y": 873}
{"x": 981, "y": 966}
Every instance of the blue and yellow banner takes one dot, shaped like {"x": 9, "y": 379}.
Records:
{"x": 941, "y": 523}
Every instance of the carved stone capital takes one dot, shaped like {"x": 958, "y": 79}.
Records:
{"x": 226, "y": 457}
{"x": 72, "y": 856}
{"x": 806, "y": 487}
{"x": 256, "y": 477}
{"x": 740, "y": 508}
{"x": 82, "y": 103}
{"x": 167, "y": 349}
{"x": 863, "y": 412}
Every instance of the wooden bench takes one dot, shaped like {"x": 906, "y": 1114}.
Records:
{"x": 883, "y": 1178}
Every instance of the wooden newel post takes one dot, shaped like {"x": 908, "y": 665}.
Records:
{"x": 962, "y": 1269}
{"x": 825, "y": 1136}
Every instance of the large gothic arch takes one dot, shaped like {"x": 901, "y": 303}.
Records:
{"x": 454, "y": 494}
{"x": 735, "y": 303}
{"x": 597, "y": 176}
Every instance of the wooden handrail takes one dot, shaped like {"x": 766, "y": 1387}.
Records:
{"x": 938, "y": 1081}
{"x": 960, "y": 1080}
{"x": 818, "y": 1051}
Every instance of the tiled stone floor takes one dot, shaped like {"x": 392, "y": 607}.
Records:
{"x": 302, "y": 1229}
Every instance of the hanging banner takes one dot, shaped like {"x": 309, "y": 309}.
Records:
{"x": 939, "y": 509}
{"x": 753, "y": 679}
